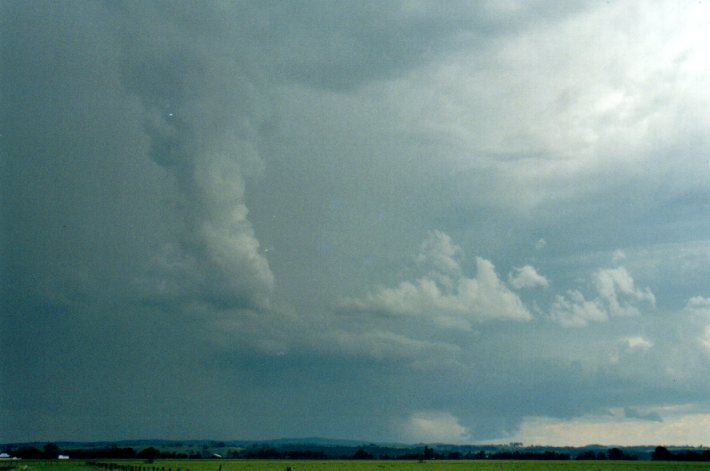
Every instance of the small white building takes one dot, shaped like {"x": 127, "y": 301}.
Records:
{"x": 63, "y": 457}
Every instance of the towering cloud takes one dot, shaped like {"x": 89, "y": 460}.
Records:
{"x": 201, "y": 112}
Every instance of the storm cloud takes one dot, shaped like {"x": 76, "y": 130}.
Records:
{"x": 396, "y": 221}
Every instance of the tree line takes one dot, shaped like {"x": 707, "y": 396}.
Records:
{"x": 52, "y": 451}
{"x": 662, "y": 453}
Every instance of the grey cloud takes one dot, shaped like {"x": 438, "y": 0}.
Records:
{"x": 341, "y": 47}
{"x": 152, "y": 152}
{"x": 201, "y": 119}
{"x": 93, "y": 229}
{"x": 389, "y": 346}
{"x": 632, "y": 413}
{"x": 129, "y": 90}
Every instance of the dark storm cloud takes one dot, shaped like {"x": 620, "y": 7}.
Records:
{"x": 190, "y": 191}
{"x": 76, "y": 183}
{"x": 125, "y": 87}
{"x": 92, "y": 226}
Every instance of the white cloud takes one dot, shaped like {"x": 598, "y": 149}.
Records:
{"x": 575, "y": 108}
{"x": 440, "y": 253}
{"x": 527, "y": 277}
{"x": 574, "y": 310}
{"x": 698, "y": 304}
{"x": 434, "y": 426}
{"x": 618, "y": 256}
{"x": 617, "y": 295}
{"x": 705, "y": 338}
{"x": 447, "y": 297}
{"x": 637, "y": 343}
{"x": 618, "y": 290}
{"x": 629, "y": 345}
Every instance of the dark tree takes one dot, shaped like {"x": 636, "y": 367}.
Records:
{"x": 617, "y": 454}
{"x": 149, "y": 454}
{"x": 587, "y": 455}
{"x": 661, "y": 453}
{"x": 29, "y": 453}
{"x": 362, "y": 455}
{"x": 51, "y": 450}
{"x": 428, "y": 453}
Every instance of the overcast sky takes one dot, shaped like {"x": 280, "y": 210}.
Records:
{"x": 388, "y": 221}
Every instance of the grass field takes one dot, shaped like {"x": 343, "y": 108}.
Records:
{"x": 282, "y": 465}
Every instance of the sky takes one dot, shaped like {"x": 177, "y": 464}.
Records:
{"x": 404, "y": 221}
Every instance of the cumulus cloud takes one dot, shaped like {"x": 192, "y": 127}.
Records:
{"x": 439, "y": 253}
{"x": 616, "y": 295}
{"x": 527, "y": 277}
{"x": 445, "y": 295}
{"x": 200, "y": 118}
{"x": 573, "y": 310}
{"x": 618, "y": 291}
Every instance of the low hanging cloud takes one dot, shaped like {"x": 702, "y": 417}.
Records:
{"x": 624, "y": 427}
{"x": 383, "y": 345}
{"x": 445, "y": 295}
{"x": 434, "y": 426}
{"x": 617, "y": 295}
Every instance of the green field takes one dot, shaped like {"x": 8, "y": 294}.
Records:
{"x": 435, "y": 465}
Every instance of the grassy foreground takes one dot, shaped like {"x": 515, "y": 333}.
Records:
{"x": 435, "y": 465}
